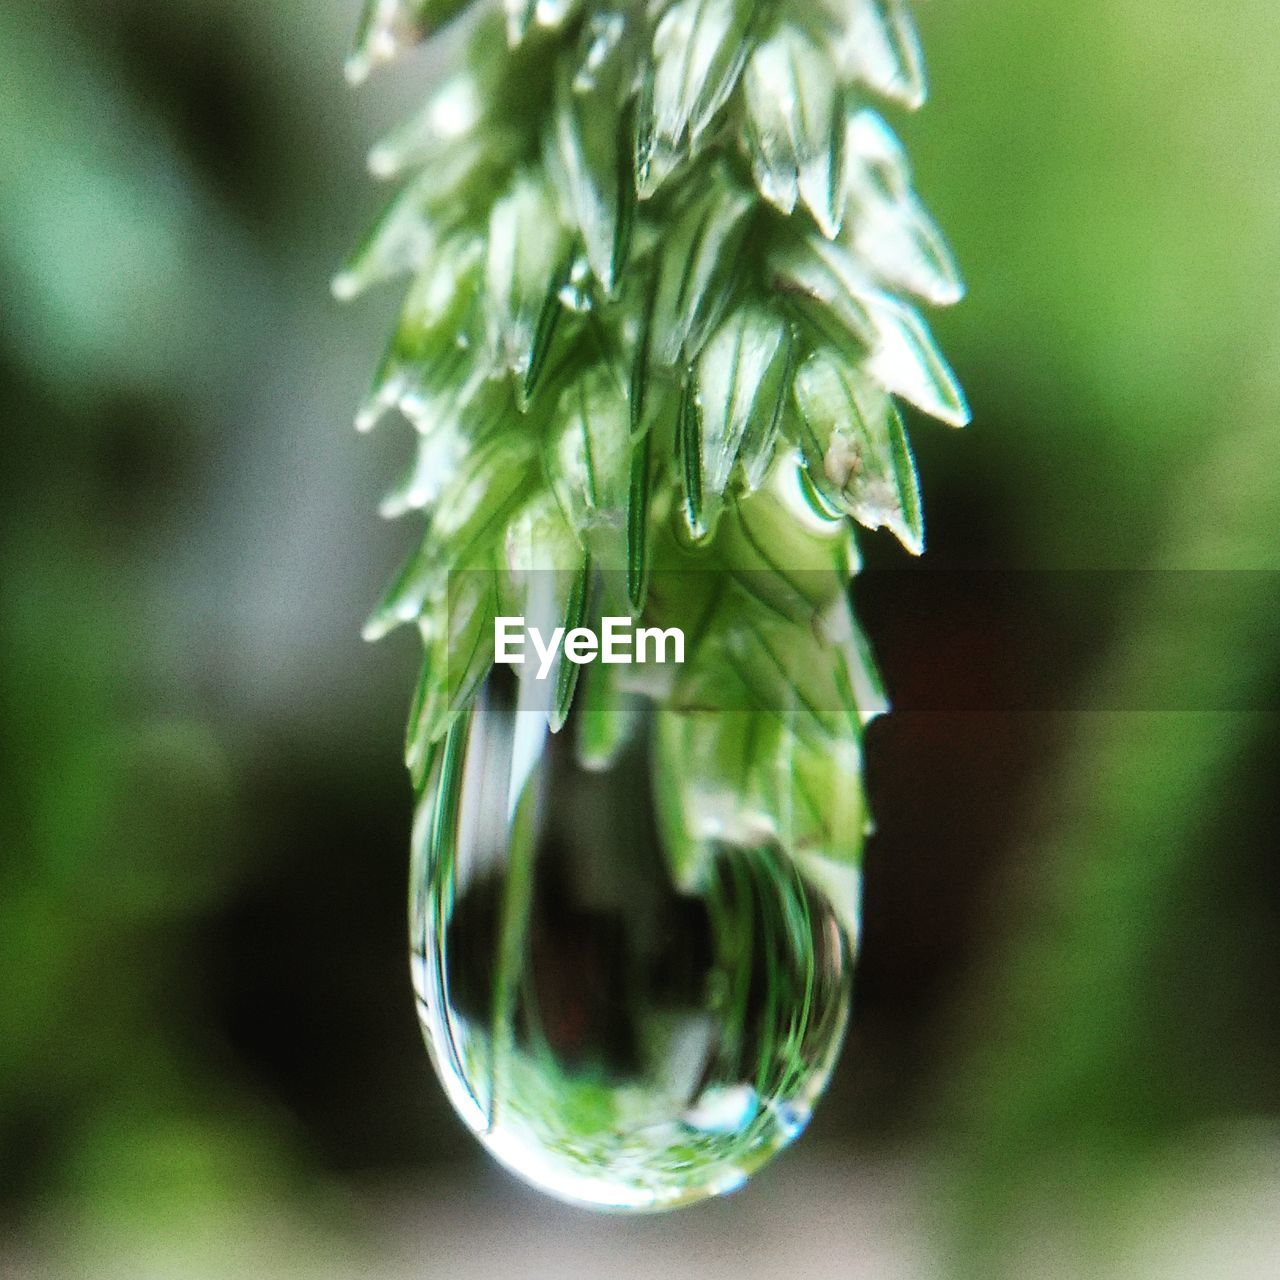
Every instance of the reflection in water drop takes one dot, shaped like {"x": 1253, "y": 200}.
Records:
{"x": 612, "y": 1040}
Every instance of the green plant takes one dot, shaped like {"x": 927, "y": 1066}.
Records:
{"x": 657, "y": 325}
{"x": 656, "y": 334}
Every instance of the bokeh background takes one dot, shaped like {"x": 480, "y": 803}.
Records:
{"x": 1066, "y": 1059}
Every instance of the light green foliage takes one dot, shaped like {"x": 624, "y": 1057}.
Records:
{"x": 662, "y": 258}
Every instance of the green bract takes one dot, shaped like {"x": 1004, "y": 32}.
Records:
{"x": 663, "y": 260}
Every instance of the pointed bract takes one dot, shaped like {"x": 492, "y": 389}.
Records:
{"x": 584, "y": 149}
{"x": 886, "y": 226}
{"x": 795, "y": 127}
{"x": 875, "y": 43}
{"x": 699, "y": 49}
{"x": 856, "y": 450}
{"x": 589, "y": 461}
{"x": 741, "y": 384}
{"x": 527, "y": 260}
{"x": 699, "y": 265}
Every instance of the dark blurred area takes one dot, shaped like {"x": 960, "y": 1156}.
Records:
{"x": 1065, "y": 1059}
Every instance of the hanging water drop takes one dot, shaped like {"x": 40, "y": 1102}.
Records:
{"x": 615, "y": 1041}
{"x": 659, "y": 327}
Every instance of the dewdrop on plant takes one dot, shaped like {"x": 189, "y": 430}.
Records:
{"x": 664, "y": 266}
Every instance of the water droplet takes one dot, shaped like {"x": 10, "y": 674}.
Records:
{"x": 575, "y": 293}
{"x": 601, "y": 37}
{"x": 616, "y": 1042}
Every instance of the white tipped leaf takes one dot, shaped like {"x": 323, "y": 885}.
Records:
{"x": 794, "y": 126}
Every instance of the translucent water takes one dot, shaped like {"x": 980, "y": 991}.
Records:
{"x": 613, "y": 1041}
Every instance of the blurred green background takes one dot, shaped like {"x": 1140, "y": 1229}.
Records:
{"x": 1066, "y": 1060}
